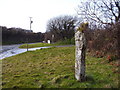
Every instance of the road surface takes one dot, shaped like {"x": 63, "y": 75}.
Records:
{"x": 11, "y": 50}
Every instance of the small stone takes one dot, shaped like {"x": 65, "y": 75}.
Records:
{"x": 51, "y": 73}
{"x": 3, "y": 83}
{"x": 42, "y": 67}
{"x": 46, "y": 63}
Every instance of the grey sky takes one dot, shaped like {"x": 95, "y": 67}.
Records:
{"x": 16, "y": 13}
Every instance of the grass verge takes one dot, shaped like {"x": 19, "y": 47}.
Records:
{"x": 61, "y": 42}
{"x": 37, "y": 45}
{"x": 54, "y": 68}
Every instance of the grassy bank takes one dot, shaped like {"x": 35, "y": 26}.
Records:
{"x": 53, "y": 68}
{"x": 36, "y": 45}
{"x": 40, "y": 45}
{"x": 62, "y": 42}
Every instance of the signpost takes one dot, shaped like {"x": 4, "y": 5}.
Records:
{"x": 53, "y": 38}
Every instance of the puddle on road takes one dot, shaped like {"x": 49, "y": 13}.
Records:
{"x": 16, "y": 51}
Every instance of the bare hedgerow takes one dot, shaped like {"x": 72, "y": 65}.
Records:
{"x": 104, "y": 41}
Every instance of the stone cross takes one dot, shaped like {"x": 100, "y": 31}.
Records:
{"x": 80, "y": 43}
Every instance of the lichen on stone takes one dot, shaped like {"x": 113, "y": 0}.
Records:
{"x": 82, "y": 27}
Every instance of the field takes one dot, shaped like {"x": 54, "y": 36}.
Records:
{"x": 54, "y": 68}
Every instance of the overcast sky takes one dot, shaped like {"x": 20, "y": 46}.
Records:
{"x": 16, "y": 13}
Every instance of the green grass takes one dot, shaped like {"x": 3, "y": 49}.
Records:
{"x": 62, "y": 42}
{"x": 54, "y": 68}
{"x": 37, "y": 45}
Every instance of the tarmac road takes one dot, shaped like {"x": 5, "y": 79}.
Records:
{"x": 11, "y": 50}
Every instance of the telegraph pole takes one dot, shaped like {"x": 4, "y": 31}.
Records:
{"x": 30, "y": 22}
{"x": 30, "y": 30}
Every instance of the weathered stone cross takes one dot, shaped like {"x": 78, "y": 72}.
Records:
{"x": 80, "y": 43}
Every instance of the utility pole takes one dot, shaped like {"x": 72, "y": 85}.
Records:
{"x": 30, "y": 30}
{"x": 30, "y": 22}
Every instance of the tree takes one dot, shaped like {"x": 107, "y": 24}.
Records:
{"x": 100, "y": 11}
{"x": 103, "y": 13}
{"x": 62, "y": 27}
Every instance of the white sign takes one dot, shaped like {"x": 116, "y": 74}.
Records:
{"x": 48, "y": 41}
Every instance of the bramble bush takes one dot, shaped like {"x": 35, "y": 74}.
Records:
{"x": 103, "y": 42}
{"x": 67, "y": 41}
